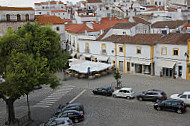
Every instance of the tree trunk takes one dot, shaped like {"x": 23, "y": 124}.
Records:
{"x": 29, "y": 113}
{"x": 11, "y": 111}
{"x": 117, "y": 83}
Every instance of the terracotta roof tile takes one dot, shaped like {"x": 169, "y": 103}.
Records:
{"x": 175, "y": 39}
{"x": 124, "y": 25}
{"x": 80, "y": 28}
{"x": 4, "y": 8}
{"x": 94, "y": 1}
{"x": 48, "y": 19}
{"x": 55, "y": 11}
{"x": 170, "y": 24}
{"x": 101, "y": 36}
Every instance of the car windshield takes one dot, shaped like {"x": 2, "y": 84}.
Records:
{"x": 179, "y": 95}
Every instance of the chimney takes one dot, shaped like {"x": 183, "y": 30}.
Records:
{"x": 101, "y": 31}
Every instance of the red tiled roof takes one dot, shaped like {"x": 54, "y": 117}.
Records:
{"x": 84, "y": 3}
{"x": 80, "y": 28}
{"x": 94, "y": 1}
{"x": 51, "y": 2}
{"x": 55, "y": 11}
{"x": 162, "y": 8}
{"x": 4, "y": 8}
{"x": 185, "y": 27}
{"x": 170, "y": 24}
{"x": 175, "y": 39}
{"x": 48, "y": 19}
{"x": 124, "y": 25}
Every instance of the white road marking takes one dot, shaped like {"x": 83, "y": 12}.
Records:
{"x": 51, "y": 99}
{"x": 77, "y": 96}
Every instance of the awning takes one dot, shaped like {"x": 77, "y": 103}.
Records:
{"x": 88, "y": 55}
{"x": 166, "y": 64}
{"x": 102, "y": 58}
{"x": 136, "y": 61}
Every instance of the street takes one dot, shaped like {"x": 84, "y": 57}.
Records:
{"x": 103, "y": 110}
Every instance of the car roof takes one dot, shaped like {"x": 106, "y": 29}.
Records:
{"x": 155, "y": 90}
{"x": 71, "y": 111}
{"x": 126, "y": 89}
{"x": 64, "y": 118}
{"x": 186, "y": 92}
{"x": 73, "y": 104}
{"x": 174, "y": 100}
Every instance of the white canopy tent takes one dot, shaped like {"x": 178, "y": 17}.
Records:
{"x": 82, "y": 67}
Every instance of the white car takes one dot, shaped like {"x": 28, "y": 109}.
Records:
{"x": 58, "y": 122}
{"x": 124, "y": 92}
{"x": 184, "y": 97}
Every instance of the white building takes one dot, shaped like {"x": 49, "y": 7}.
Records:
{"x": 14, "y": 17}
{"x": 46, "y": 7}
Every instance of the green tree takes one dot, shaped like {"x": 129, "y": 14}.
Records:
{"x": 29, "y": 57}
{"x": 117, "y": 76}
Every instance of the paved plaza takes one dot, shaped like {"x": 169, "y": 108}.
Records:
{"x": 102, "y": 110}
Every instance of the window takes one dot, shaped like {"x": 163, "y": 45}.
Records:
{"x": 121, "y": 91}
{"x": 103, "y": 49}
{"x": 155, "y": 3}
{"x": 183, "y": 96}
{"x": 174, "y": 103}
{"x": 175, "y": 52}
{"x": 120, "y": 49}
{"x": 42, "y": 7}
{"x": 126, "y": 91}
{"x": 168, "y": 103}
{"x": 163, "y": 51}
{"x": 27, "y": 17}
{"x": 8, "y": 17}
{"x": 57, "y": 28}
{"x": 86, "y": 48}
{"x": 18, "y": 17}
{"x": 188, "y": 96}
{"x": 124, "y": 33}
{"x": 138, "y": 50}
{"x": 40, "y": 12}
{"x": 63, "y": 13}
{"x": 159, "y": 3}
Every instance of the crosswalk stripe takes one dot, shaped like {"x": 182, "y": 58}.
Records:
{"x": 57, "y": 94}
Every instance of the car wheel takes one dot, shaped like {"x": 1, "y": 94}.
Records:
{"x": 76, "y": 120}
{"x": 114, "y": 96}
{"x": 157, "y": 100}
{"x": 179, "y": 111}
{"x": 140, "y": 98}
{"x": 158, "y": 108}
{"x": 128, "y": 97}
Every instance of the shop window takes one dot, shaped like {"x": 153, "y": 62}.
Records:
{"x": 163, "y": 51}
{"x": 139, "y": 50}
{"x": 175, "y": 52}
{"x": 120, "y": 49}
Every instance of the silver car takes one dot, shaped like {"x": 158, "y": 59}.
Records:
{"x": 58, "y": 122}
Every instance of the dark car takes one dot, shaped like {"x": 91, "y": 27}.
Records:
{"x": 75, "y": 106}
{"x": 74, "y": 115}
{"x": 103, "y": 91}
{"x": 152, "y": 95}
{"x": 171, "y": 105}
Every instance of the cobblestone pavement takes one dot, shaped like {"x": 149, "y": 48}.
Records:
{"x": 106, "y": 111}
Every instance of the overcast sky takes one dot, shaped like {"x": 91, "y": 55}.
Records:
{"x": 26, "y": 3}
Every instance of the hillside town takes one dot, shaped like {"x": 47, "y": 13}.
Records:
{"x": 144, "y": 39}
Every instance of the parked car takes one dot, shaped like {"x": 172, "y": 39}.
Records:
{"x": 171, "y": 105}
{"x": 184, "y": 97}
{"x": 124, "y": 92}
{"x": 74, "y": 115}
{"x": 75, "y": 106}
{"x": 103, "y": 91}
{"x": 152, "y": 95}
{"x": 58, "y": 122}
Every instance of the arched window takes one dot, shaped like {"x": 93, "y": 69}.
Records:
{"x": 27, "y": 17}
{"x": 18, "y": 17}
{"x": 8, "y": 17}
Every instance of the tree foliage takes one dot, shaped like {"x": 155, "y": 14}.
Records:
{"x": 29, "y": 57}
{"x": 117, "y": 75}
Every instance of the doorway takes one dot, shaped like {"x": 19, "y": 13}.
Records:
{"x": 179, "y": 71}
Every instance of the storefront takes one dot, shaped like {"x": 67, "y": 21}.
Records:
{"x": 167, "y": 68}
{"x": 141, "y": 66}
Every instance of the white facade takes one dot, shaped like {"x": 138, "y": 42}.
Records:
{"x": 180, "y": 60}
